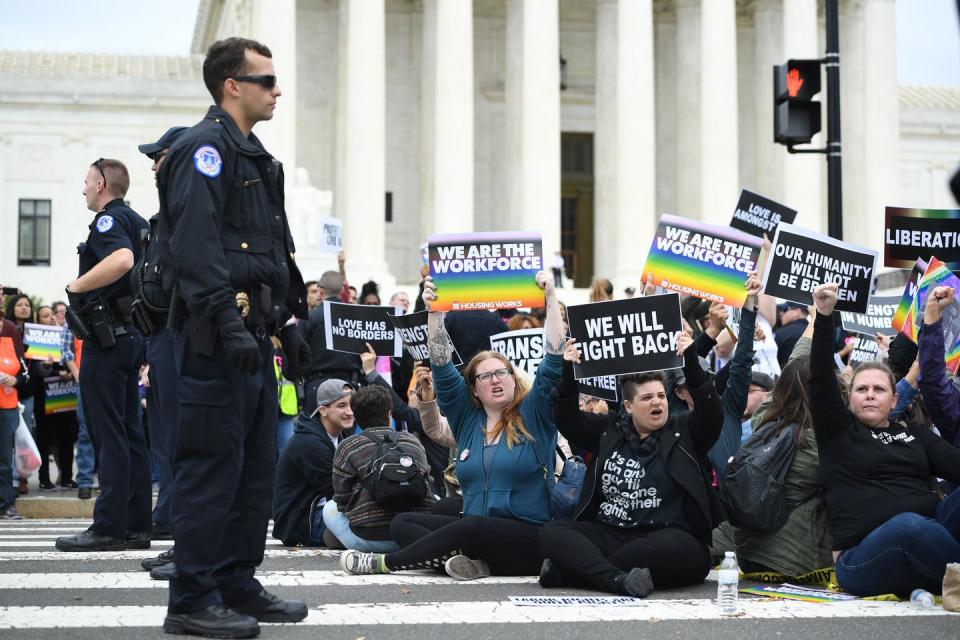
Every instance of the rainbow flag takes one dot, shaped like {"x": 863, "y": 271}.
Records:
{"x": 43, "y": 341}
{"x": 701, "y": 259}
{"x": 936, "y": 275}
{"x": 903, "y": 316}
{"x": 486, "y": 270}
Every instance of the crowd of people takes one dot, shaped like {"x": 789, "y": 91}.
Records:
{"x": 406, "y": 464}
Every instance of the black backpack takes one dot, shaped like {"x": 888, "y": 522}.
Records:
{"x": 751, "y": 489}
{"x": 396, "y": 477}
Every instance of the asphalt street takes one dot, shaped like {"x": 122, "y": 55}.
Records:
{"x": 47, "y": 594}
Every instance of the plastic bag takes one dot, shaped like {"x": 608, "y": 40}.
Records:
{"x": 27, "y": 455}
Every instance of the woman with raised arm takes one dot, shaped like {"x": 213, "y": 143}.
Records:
{"x": 891, "y": 531}
{"x": 505, "y": 436}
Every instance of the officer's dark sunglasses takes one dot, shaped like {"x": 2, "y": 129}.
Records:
{"x": 99, "y": 165}
{"x": 267, "y": 82}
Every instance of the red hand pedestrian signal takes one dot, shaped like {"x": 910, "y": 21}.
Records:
{"x": 794, "y": 82}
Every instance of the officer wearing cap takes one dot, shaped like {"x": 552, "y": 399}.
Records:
{"x": 100, "y": 314}
{"x": 224, "y": 232}
{"x": 152, "y": 286}
{"x": 305, "y": 468}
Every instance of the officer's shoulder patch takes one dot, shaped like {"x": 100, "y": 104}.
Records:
{"x": 104, "y": 223}
{"x": 206, "y": 160}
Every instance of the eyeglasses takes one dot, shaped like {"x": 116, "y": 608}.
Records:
{"x": 267, "y": 82}
{"x": 500, "y": 374}
{"x": 99, "y": 165}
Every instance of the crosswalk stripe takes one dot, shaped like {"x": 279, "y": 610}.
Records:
{"x": 135, "y": 554}
{"x": 36, "y": 617}
{"x": 142, "y": 580}
{"x": 46, "y": 541}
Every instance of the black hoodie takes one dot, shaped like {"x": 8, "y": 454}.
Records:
{"x": 304, "y": 471}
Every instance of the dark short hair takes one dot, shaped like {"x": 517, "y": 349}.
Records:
{"x": 57, "y": 303}
{"x": 371, "y": 406}
{"x": 631, "y": 382}
{"x": 115, "y": 174}
{"x": 309, "y": 283}
{"x": 226, "y": 59}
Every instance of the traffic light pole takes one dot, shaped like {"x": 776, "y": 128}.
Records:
{"x": 834, "y": 182}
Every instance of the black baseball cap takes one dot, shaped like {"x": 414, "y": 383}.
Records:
{"x": 167, "y": 139}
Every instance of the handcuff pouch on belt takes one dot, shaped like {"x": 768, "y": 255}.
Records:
{"x": 94, "y": 322}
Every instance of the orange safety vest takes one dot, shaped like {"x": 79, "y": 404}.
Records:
{"x": 10, "y": 365}
{"x": 77, "y": 351}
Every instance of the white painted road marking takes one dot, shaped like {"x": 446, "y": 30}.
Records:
{"x": 48, "y": 541}
{"x": 135, "y": 554}
{"x": 142, "y": 580}
{"x": 473, "y": 613}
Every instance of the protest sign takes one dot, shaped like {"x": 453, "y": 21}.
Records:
{"x": 757, "y": 215}
{"x": 910, "y": 234}
{"x": 865, "y": 349}
{"x": 350, "y": 326}
{"x": 789, "y": 591}
{"x": 486, "y": 270}
{"x": 412, "y": 329}
{"x": 702, "y": 260}
{"x": 331, "y": 235}
{"x": 937, "y": 275}
{"x": 524, "y": 348}
{"x": 43, "y": 341}
{"x": 877, "y": 319}
{"x": 61, "y": 395}
{"x": 602, "y": 387}
{"x": 903, "y": 316}
{"x": 802, "y": 259}
{"x": 626, "y": 336}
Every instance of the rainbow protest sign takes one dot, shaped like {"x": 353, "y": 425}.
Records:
{"x": 936, "y": 275}
{"x": 702, "y": 260}
{"x": 60, "y": 395}
{"x": 486, "y": 270}
{"x": 903, "y": 316}
{"x": 43, "y": 340}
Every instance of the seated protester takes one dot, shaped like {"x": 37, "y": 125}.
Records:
{"x": 305, "y": 467}
{"x": 633, "y": 530}
{"x": 355, "y": 516}
{"x": 505, "y": 438}
{"x": 803, "y": 544}
{"x": 891, "y": 532}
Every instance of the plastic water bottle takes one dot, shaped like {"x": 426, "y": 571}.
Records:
{"x": 921, "y": 599}
{"x": 727, "y": 584}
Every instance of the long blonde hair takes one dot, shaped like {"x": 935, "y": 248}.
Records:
{"x": 510, "y": 420}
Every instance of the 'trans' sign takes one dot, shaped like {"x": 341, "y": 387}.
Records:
{"x": 486, "y": 270}
{"x": 757, "y": 215}
{"x": 626, "y": 336}
{"x": 349, "y": 327}
{"x": 802, "y": 259}
{"x": 524, "y": 348}
{"x": 702, "y": 260}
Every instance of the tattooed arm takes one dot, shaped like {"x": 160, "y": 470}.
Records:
{"x": 438, "y": 340}
{"x": 553, "y": 333}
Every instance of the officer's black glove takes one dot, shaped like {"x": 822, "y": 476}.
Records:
{"x": 75, "y": 300}
{"x": 296, "y": 352}
{"x": 243, "y": 352}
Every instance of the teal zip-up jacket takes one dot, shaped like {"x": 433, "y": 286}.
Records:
{"x": 517, "y": 486}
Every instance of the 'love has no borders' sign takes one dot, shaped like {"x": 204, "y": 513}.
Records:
{"x": 910, "y": 234}
{"x": 486, "y": 270}
{"x": 702, "y": 260}
{"x": 626, "y": 336}
{"x": 802, "y": 259}
{"x": 349, "y": 327}
{"x": 758, "y": 215}
{"x": 524, "y": 348}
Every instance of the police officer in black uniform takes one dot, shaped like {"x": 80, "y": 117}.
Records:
{"x": 225, "y": 233}
{"x": 100, "y": 314}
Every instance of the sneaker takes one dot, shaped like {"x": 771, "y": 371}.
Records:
{"x": 164, "y": 572}
{"x": 266, "y": 607}
{"x": 12, "y": 514}
{"x": 85, "y": 493}
{"x": 552, "y": 576}
{"x": 464, "y": 568}
{"x": 46, "y": 485}
{"x": 359, "y": 563}
{"x": 166, "y": 557}
{"x": 90, "y": 541}
{"x": 215, "y": 621}
{"x": 638, "y": 583}
{"x": 69, "y": 484}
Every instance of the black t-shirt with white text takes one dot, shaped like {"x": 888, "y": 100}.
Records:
{"x": 636, "y": 490}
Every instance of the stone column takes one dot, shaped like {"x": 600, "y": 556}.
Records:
{"x": 532, "y": 153}
{"x": 446, "y": 147}
{"x": 803, "y": 175}
{"x": 359, "y": 198}
{"x": 853, "y": 105}
{"x": 275, "y": 25}
{"x": 768, "y": 51}
{"x": 719, "y": 181}
{"x": 881, "y": 121}
{"x": 624, "y": 143}
{"x": 687, "y": 84}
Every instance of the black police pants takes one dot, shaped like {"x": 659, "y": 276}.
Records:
{"x": 224, "y": 463}
{"x": 162, "y": 412}
{"x": 109, "y": 380}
